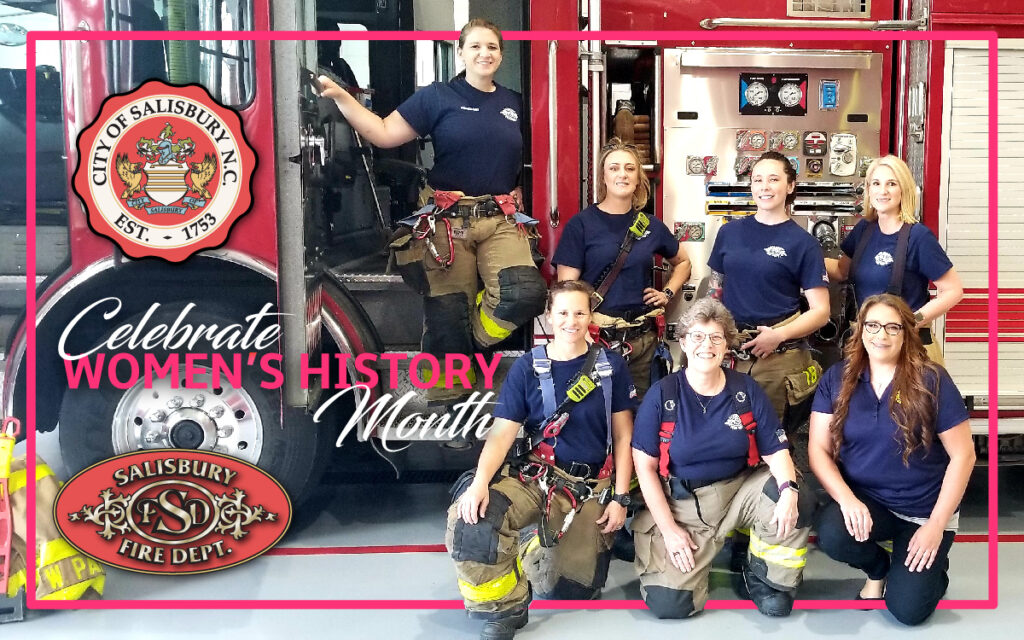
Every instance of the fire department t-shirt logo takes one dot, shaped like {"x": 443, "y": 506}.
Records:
{"x": 510, "y": 114}
{"x": 164, "y": 171}
{"x": 734, "y": 422}
{"x": 883, "y": 258}
{"x": 775, "y": 252}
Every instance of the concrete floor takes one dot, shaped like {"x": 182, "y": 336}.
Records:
{"x": 412, "y": 514}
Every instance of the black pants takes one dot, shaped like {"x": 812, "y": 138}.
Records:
{"x": 910, "y": 596}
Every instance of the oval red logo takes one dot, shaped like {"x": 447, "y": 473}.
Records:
{"x": 172, "y": 511}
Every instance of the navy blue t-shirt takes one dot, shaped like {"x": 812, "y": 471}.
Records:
{"x": 926, "y": 261}
{"x": 478, "y": 140}
{"x": 584, "y": 438}
{"x": 706, "y": 446}
{"x": 591, "y": 243}
{"x": 765, "y": 266}
{"x": 871, "y": 458}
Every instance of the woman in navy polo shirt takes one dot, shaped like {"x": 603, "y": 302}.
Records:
{"x": 693, "y": 449}
{"x": 760, "y": 264}
{"x": 590, "y": 245}
{"x": 891, "y": 444}
{"x": 469, "y": 228}
{"x": 563, "y": 485}
{"x": 890, "y": 206}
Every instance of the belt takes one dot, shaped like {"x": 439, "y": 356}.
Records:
{"x": 787, "y": 345}
{"x": 580, "y": 470}
{"x": 742, "y": 326}
{"x": 480, "y": 209}
{"x": 627, "y": 333}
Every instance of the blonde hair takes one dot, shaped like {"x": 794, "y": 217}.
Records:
{"x": 908, "y": 188}
{"x": 643, "y": 186}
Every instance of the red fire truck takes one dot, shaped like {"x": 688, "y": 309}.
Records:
{"x": 324, "y": 203}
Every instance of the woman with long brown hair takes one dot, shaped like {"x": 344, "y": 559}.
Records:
{"x": 890, "y": 443}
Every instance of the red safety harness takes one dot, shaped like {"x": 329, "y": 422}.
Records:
{"x": 735, "y": 384}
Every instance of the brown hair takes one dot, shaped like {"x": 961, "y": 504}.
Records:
{"x": 787, "y": 167}
{"x": 485, "y": 24}
{"x": 912, "y": 402}
{"x": 908, "y": 188}
{"x": 563, "y": 286}
{"x": 710, "y": 310}
{"x": 643, "y": 185}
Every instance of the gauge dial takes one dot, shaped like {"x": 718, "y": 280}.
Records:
{"x": 756, "y": 94}
{"x": 790, "y": 94}
{"x": 757, "y": 140}
{"x": 790, "y": 140}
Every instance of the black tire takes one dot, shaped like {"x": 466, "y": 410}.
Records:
{"x": 294, "y": 454}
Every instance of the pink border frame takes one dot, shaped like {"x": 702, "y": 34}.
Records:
{"x": 787, "y": 35}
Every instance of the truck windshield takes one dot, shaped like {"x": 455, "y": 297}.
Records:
{"x": 224, "y": 67}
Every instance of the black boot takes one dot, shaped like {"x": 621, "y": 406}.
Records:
{"x": 769, "y": 600}
{"x": 505, "y": 628}
{"x": 738, "y": 552}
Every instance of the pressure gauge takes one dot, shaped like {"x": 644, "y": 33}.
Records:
{"x": 756, "y": 93}
{"x": 757, "y": 140}
{"x": 790, "y": 140}
{"x": 790, "y": 94}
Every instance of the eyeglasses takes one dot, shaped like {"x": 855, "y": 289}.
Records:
{"x": 892, "y": 328}
{"x": 697, "y": 337}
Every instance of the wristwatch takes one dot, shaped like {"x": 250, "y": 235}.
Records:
{"x": 623, "y": 498}
{"x": 668, "y": 292}
{"x": 789, "y": 484}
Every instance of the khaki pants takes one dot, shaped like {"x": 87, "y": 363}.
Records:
{"x": 492, "y": 576}
{"x": 747, "y": 500}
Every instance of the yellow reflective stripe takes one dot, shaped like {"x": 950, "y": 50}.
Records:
{"x": 885, "y": 544}
{"x": 494, "y": 589}
{"x": 530, "y": 546}
{"x": 788, "y": 557}
{"x": 17, "y": 479}
{"x": 55, "y": 551}
{"x": 426, "y": 375}
{"x": 15, "y": 582}
{"x": 490, "y": 326}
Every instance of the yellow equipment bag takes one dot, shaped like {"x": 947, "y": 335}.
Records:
{"x": 62, "y": 573}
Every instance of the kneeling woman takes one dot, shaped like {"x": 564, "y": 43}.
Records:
{"x": 578, "y": 435}
{"x": 874, "y": 425}
{"x": 698, "y": 433}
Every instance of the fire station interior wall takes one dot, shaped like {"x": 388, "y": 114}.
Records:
{"x": 964, "y": 213}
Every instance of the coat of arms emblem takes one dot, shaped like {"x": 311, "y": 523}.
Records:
{"x": 164, "y": 171}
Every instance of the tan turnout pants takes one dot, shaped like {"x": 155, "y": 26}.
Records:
{"x": 739, "y": 502}
{"x": 495, "y": 575}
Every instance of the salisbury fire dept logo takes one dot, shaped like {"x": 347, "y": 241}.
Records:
{"x": 883, "y": 259}
{"x": 172, "y": 511}
{"x": 164, "y": 171}
{"x": 734, "y": 422}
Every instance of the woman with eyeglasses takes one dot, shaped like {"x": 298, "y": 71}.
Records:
{"x": 615, "y": 230}
{"x": 698, "y": 442}
{"x": 875, "y": 246}
{"x": 891, "y": 444}
{"x": 470, "y": 228}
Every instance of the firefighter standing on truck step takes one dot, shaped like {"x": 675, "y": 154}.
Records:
{"x": 470, "y": 225}
{"x": 569, "y": 476}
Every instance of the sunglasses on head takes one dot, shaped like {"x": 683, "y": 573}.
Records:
{"x": 614, "y": 146}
